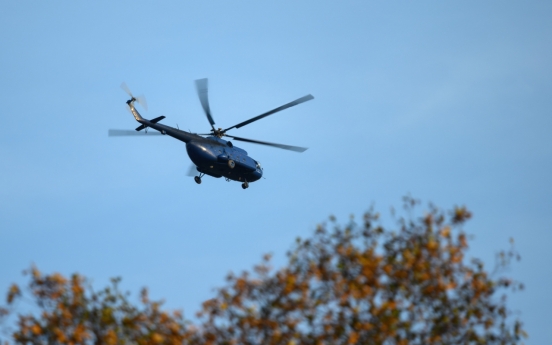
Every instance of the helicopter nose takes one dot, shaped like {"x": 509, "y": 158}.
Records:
{"x": 259, "y": 174}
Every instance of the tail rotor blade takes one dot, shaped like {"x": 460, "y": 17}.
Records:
{"x": 126, "y": 89}
{"x": 142, "y": 101}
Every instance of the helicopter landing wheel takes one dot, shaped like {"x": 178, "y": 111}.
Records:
{"x": 231, "y": 163}
{"x": 245, "y": 185}
{"x": 197, "y": 179}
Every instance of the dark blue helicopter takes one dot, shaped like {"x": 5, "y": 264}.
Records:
{"x": 211, "y": 155}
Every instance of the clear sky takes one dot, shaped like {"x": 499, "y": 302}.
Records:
{"x": 448, "y": 101}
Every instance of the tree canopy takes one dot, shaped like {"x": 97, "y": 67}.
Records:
{"x": 357, "y": 283}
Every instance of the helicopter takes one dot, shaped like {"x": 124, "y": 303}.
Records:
{"x": 210, "y": 153}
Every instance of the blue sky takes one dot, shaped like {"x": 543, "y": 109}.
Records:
{"x": 447, "y": 101}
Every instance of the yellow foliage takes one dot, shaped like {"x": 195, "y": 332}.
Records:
{"x": 36, "y": 329}
{"x": 58, "y": 279}
{"x": 81, "y": 334}
{"x": 77, "y": 289}
{"x": 457, "y": 258}
{"x": 445, "y": 232}
{"x": 157, "y": 338}
{"x": 367, "y": 326}
{"x": 461, "y": 214}
{"x": 60, "y": 336}
{"x": 462, "y": 240}
{"x": 344, "y": 286}
{"x": 432, "y": 245}
{"x": 240, "y": 284}
{"x": 401, "y": 274}
{"x": 110, "y": 338}
{"x": 13, "y": 292}
{"x": 353, "y": 338}
{"x": 35, "y": 273}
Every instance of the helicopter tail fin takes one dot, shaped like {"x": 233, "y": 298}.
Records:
{"x": 133, "y": 110}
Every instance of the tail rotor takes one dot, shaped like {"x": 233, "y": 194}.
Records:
{"x": 140, "y": 99}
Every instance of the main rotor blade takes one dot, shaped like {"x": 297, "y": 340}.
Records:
{"x": 285, "y": 106}
{"x": 280, "y": 146}
{"x": 129, "y": 133}
{"x": 203, "y": 94}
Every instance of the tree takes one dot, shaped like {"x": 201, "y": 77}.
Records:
{"x": 353, "y": 284}
{"x": 73, "y": 313}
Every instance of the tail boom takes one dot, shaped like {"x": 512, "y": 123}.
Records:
{"x": 133, "y": 110}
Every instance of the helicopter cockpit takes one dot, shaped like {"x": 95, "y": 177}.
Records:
{"x": 258, "y": 166}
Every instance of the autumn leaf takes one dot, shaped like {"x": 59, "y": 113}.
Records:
{"x": 404, "y": 283}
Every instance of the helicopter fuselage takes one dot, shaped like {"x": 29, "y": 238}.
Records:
{"x": 212, "y": 156}
{"x": 217, "y": 157}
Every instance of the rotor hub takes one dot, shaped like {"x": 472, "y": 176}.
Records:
{"x": 218, "y": 132}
